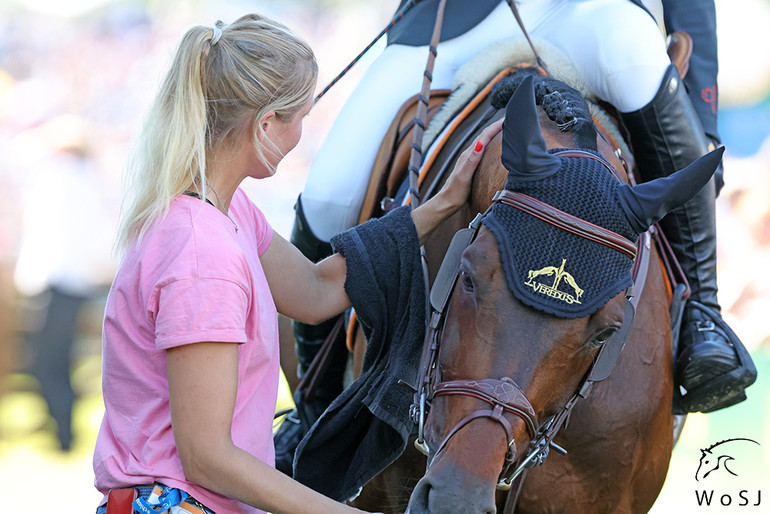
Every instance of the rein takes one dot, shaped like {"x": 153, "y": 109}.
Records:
{"x": 415, "y": 158}
{"x": 515, "y": 10}
{"x": 504, "y": 395}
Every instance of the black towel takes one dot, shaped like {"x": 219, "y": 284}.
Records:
{"x": 366, "y": 428}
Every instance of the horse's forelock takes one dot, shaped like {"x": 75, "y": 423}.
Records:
{"x": 563, "y": 104}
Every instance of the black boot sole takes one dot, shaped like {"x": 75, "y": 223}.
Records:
{"x": 722, "y": 391}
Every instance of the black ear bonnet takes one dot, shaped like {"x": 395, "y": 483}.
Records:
{"x": 552, "y": 269}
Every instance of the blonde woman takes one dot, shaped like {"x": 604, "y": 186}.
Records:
{"x": 190, "y": 343}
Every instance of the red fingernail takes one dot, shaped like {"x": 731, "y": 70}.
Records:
{"x": 479, "y": 146}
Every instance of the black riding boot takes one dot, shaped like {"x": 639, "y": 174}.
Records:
{"x": 309, "y": 339}
{"x": 712, "y": 365}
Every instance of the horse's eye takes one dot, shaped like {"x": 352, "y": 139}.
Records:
{"x": 603, "y": 336}
{"x": 466, "y": 281}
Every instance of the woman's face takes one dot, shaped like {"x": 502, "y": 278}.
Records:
{"x": 284, "y": 135}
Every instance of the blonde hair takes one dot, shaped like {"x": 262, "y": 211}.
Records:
{"x": 211, "y": 92}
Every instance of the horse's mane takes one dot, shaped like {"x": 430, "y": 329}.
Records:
{"x": 563, "y": 104}
{"x": 728, "y": 440}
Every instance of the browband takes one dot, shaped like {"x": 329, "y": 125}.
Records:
{"x": 566, "y": 221}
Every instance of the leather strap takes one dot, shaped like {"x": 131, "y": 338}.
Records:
{"x": 422, "y": 110}
{"x": 320, "y": 362}
{"x": 540, "y": 62}
{"x": 504, "y": 393}
{"x": 496, "y": 414}
{"x": 567, "y": 221}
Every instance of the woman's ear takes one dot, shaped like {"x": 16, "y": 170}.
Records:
{"x": 264, "y": 124}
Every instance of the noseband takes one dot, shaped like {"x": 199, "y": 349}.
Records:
{"x": 503, "y": 395}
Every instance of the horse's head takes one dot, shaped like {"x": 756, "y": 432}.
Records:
{"x": 709, "y": 462}
{"x": 537, "y": 294}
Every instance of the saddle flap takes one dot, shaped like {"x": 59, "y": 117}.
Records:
{"x": 447, "y": 273}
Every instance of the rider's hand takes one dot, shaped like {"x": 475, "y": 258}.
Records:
{"x": 455, "y": 192}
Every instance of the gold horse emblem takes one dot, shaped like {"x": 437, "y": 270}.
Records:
{"x": 553, "y": 291}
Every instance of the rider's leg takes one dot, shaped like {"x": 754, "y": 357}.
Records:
{"x": 701, "y": 79}
{"x": 339, "y": 175}
{"x": 617, "y": 49}
{"x": 622, "y": 58}
{"x": 712, "y": 365}
{"x": 337, "y": 181}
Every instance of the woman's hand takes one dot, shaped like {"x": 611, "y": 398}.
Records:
{"x": 457, "y": 187}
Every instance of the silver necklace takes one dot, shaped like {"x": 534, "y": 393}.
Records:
{"x": 222, "y": 208}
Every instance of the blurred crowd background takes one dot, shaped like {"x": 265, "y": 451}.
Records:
{"x": 75, "y": 79}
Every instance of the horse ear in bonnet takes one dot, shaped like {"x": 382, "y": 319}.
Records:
{"x": 525, "y": 154}
{"x": 552, "y": 269}
{"x": 646, "y": 203}
{"x": 526, "y": 158}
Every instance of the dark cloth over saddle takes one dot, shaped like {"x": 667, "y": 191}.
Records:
{"x": 366, "y": 428}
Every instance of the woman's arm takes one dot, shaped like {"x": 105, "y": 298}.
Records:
{"x": 304, "y": 291}
{"x": 312, "y": 293}
{"x": 202, "y": 387}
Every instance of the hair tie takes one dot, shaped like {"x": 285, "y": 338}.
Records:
{"x": 216, "y": 36}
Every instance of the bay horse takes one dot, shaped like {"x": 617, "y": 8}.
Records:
{"x": 508, "y": 377}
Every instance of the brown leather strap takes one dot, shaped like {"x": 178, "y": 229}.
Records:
{"x": 514, "y": 493}
{"x": 422, "y": 110}
{"x": 320, "y": 362}
{"x": 503, "y": 392}
{"x": 567, "y": 221}
{"x": 495, "y": 414}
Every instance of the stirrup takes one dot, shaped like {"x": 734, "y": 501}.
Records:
{"x": 721, "y": 366}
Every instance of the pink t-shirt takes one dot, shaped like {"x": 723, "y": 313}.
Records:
{"x": 193, "y": 278}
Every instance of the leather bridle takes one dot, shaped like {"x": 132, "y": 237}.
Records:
{"x": 503, "y": 395}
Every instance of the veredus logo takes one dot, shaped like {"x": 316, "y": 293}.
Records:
{"x": 728, "y": 459}
{"x": 553, "y": 291}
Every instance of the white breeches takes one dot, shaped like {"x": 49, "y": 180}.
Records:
{"x": 617, "y": 49}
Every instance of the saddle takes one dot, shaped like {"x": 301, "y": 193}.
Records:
{"x": 392, "y": 159}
